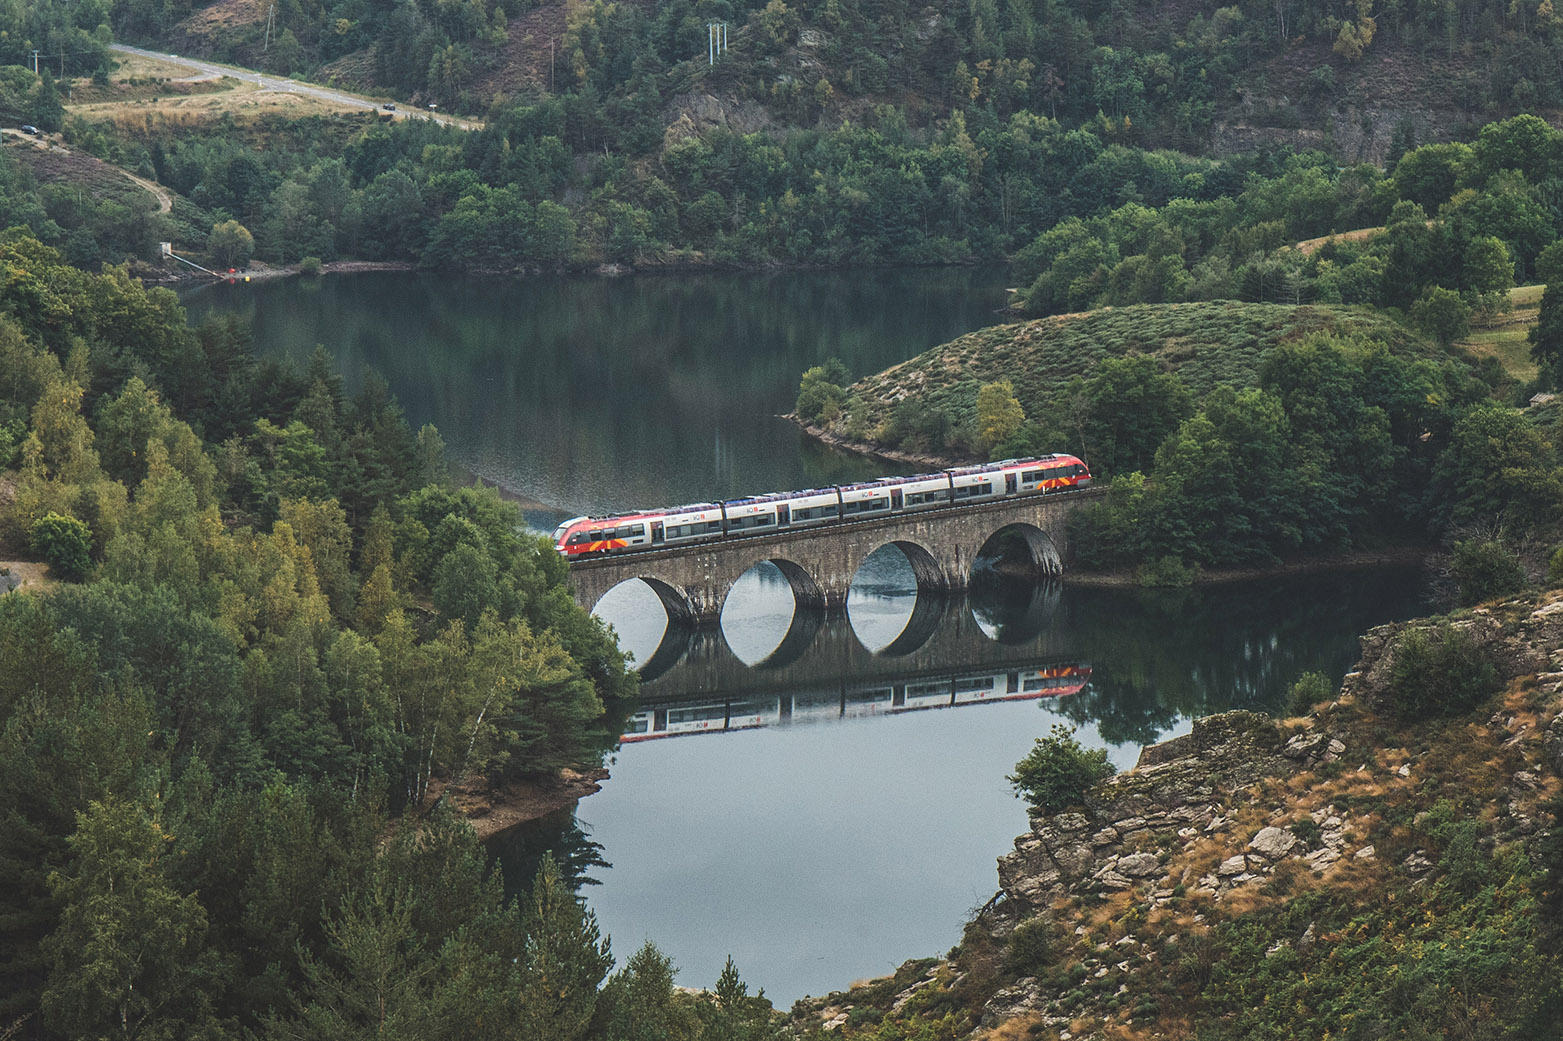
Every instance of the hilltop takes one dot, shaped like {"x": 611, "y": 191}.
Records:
{"x": 1208, "y": 344}
{"x": 1386, "y": 865}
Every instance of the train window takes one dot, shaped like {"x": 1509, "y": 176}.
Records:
{"x": 631, "y": 531}
{"x": 595, "y": 536}
{"x": 1031, "y": 476}
{"x": 576, "y": 539}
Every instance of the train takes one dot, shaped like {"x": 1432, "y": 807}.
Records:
{"x": 642, "y": 530}
{"x": 726, "y": 715}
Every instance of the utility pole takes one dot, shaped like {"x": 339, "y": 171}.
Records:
{"x": 271, "y": 15}
{"x": 716, "y": 40}
{"x": 35, "y": 62}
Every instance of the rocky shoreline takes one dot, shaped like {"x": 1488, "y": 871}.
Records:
{"x": 1243, "y": 814}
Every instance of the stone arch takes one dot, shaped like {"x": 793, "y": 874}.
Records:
{"x": 807, "y": 595}
{"x": 679, "y": 610}
{"x": 926, "y": 570}
{"x": 800, "y": 637}
{"x": 927, "y": 614}
{"x": 1042, "y": 551}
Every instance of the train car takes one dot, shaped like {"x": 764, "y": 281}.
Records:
{"x": 811, "y": 507}
{"x": 976, "y": 484}
{"x": 870, "y": 499}
{"x": 926, "y": 694}
{"x": 592, "y": 536}
{"x": 1054, "y": 681}
{"x": 753, "y": 516}
{"x": 1049, "y": 474}
{"x": 685, "y": 524}
{"x": 872, "y": 701}
{"x": 925, "y": 492}
{"x": 992, "y": 687}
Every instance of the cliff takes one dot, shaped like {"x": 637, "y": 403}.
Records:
{"x": 1350, "y": 873}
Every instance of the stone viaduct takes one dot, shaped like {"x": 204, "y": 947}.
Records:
{"x": 820, "y": 563}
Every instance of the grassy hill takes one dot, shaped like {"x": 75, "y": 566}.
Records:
{"x": 1206, "y": 344}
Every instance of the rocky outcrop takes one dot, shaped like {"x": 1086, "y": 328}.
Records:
{"x": 1519, "y": 639}
{"x": 1134, "y": 823}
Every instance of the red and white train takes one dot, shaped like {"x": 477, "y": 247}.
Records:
{"x": 786, "y": 511}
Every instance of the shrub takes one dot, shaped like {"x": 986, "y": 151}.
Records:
{"x": 65, "y": 542}
{"x": 1440, "y": 671}
{"x": 1310, "y": 689}
{"x": 1058, "y": 770}
{"x": 1033, "y": 946}
{"x": 820, "y": 393}
{"x": 1555, "y": 567}
{"x": 1167, "y": 572}
{"x": 1485, "y": 569}
{"x": 1308, "y": 831}
{"x": 309, "y": 266}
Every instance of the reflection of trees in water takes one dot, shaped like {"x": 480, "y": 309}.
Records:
{"x": 520, "y": 850}
{"x": 1158, "y": 656}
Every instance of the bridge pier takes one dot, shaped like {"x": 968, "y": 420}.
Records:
{"x": 820, "y": 563}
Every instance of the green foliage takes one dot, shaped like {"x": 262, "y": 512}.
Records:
{"x": 999, "y": 414}
{"x": 820, "y": 394}
{"x": 200, "y": 752}
{"x": 1485, "y": 569}
{"x": 1309, "y": 690}
{"x": 1166, "y": 572}
{"x": 1033, "y": 947}
{"x": 1440, "y": 671}
{"x": 64, "y": 542}
{"x": 1442, "y": 315}
{"x": 1055, "y": 774}
{"x": 230, "y": 244}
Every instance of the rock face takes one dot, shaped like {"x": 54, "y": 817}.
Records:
{"x": 1175, "y": 795}
{"x": 1217, "y": 812}
{"x": 1530, "y": 642}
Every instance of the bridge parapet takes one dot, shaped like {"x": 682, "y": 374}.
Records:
{"x": 820, "y": 563}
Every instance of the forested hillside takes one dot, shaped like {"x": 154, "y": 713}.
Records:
{"x": 272, "y": 631}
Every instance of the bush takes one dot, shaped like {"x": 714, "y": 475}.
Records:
{"x": 1033, "y": 946}
{"x": 309, "y": 266}
{"x": 1168, "y": 572}
{"x": 1310, "y": 689}
{"x": 1057, "y": 771}
{"x": 1555, "y": 567}
{"x": 1440, "y": 671}
{"x": 65, "y": 542}
{"x": 1485, "y": 569}
{"x": 1307, "y": 830}
{"x": 820, "y": 393}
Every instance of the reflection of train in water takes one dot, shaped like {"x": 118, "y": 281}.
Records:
{"x": 700, "y": 717}
{"x": 786, "y": 511}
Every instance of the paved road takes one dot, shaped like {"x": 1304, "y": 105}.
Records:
{"x": 280, "y": 83}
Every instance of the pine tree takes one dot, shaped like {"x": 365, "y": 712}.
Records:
{"x": 565, "y": 962}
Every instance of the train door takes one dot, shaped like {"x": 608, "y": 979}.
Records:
{"x": 1009, "y": 484}
{"x": 783, "y": 516}
{"x": 656, "y": 533}
{"x": 895, "y": 498}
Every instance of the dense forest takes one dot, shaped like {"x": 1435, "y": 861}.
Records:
{"x": 281, "y": 630}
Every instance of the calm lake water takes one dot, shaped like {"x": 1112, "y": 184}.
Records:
{"x": 820, "y": 797}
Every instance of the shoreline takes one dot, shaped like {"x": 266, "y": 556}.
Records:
{"x": 1404, "y": 555}
{"x": 491, "y": 811}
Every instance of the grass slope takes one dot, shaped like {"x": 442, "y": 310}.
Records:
{"x": 1207, "y": 344}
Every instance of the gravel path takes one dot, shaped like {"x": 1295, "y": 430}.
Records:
{"x": 292, "y": 86}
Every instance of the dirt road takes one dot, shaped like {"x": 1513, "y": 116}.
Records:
{"x": 290, "y": 86}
